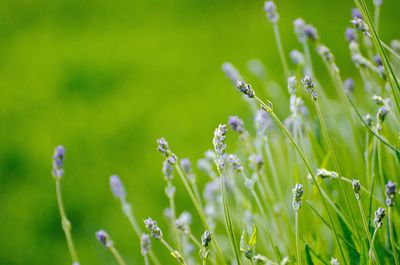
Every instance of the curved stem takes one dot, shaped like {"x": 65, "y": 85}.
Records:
{"x": 127, "y": 210}
{"x": 198, "y": 209}
{"x": 372, "y": 246}
{"x": 365, "y": 223}
{"x": 308, "y": 166}
{"x": 117, "y": 255}
{"x": 66, "y": 225}
{"x": 337, "y": 168}
{"x": 228, "y": 218}
{"x": 173, "y": 252}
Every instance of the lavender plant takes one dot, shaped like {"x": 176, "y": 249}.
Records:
{"x": 330, "y": 144}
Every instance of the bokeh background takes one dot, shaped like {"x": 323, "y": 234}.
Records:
{"x": 106, "y": 79}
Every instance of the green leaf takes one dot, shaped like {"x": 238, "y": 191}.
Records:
{"x": 253, "y": 238}
{"x": 308, "y": 255}
{"x": 364, "y": 252}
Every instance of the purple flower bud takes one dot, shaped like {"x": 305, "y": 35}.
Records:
{"x": 167, "y": 170}
{"x": 162, "y": 147}
{"x": 390, "y": 192}
{"x": 351, "y": 35}
{"x": 145, "y": 244}
{"x": 270, "y": 9}
{"x": 117, "y": 187}
{"x": 231, "y": 72}
{"x": 186, "y": 166}
{"x": 311, "y": 32}
{"x": 103, "y": 238}
{"x": 355, "y": 13}
{"x": 359, "y": 24}
{"x": 378, "y": 60}
{"x": 58, "y": 162}
{"x": 245, "y": 89}
{"x": 219, "y": 144}
{"x": 151, "y": 225}
{"x": 379, "y": 215}
{"x": 206, "y": 239}
{"x": 348, "y": 85}
{"x": 309, "y": 87}
{"x": 299, "y": 28}
{"x": 236, "y": 124}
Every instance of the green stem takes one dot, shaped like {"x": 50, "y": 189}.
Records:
{"x": 127, "y": 210}
{"x": 365, "y": 223}
{"x": 308, "y": 166}
{"x": 337, "y": 168}
{"x": 380, "y": 138}
{"x": 146, "y": 260}
{"x": 297, "y": 237}
{"x": 66, "y": 225}
{"x": 228, "y": 218}
{"x": 394, "y": 83}
{"x": 198, "y": 209}
{"x": 280, "y": 49}
{"x": 396, "y": 260}
{"x": 389, "y": 49}
{"x": 372, "y": 246}
{"x": 173, "y": 252}
{"x": 117, "y": 255}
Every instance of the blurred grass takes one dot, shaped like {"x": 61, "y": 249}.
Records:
{"x": 105, "y": 79}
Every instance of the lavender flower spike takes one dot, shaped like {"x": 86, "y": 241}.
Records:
{"x": 145, "y": 244}
{"x": 297, "y": 195}
{"x": 360, "y": 24}
{"x": 245, "y": 89}
{"x": 270, "y": 9}
{"x": 58, "y": 162}
{"x": 311, "y": 32}
{"x": 356, "y": 188}
{"x": 379, "y": 214}
{"x": 163, "y": 148}
{"x": 390, "y": 192}
{"x": 151, "y": 225}
{"x": 219, "y": 144}
{"x": 236, "y": 124}
{"x": 104, "y": 239}
{"x": 350, "y": 35}
{"x": 231, "y": 72}
{"x": 117, "y": 187}
{"x": 309, "y": 87}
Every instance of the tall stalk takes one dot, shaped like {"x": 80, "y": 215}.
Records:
{"x": 308, "y": 166}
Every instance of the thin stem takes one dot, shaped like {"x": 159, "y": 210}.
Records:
{"x": 146, "y": 260}
{"x": 198, "y": 209}
{"x": 376, "y": 17}
{"x": 365, "y": 223}
{"x": 397, "y": 151}
{"x": 173, "y": 252}
{"x": 372, "y": 246}
{"x": 396, "y": 260}
{"x": 127, "y": 210}
{"x": 66, "y": 225}
{"x": 308, "y": 57}
{"x": 337, "y": 168}
{"x": 389, "y": 49}
{"x": 280, "y": 49}
{"x": 297, "y": 236}
{"x": 308, "y": 166}
{"x": 228, "y": 218}
{"x": 394, "y": 83}
{"x": 117, "y": 255}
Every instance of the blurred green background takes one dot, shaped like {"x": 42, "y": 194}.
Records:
{"x": 106, "y": 79}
